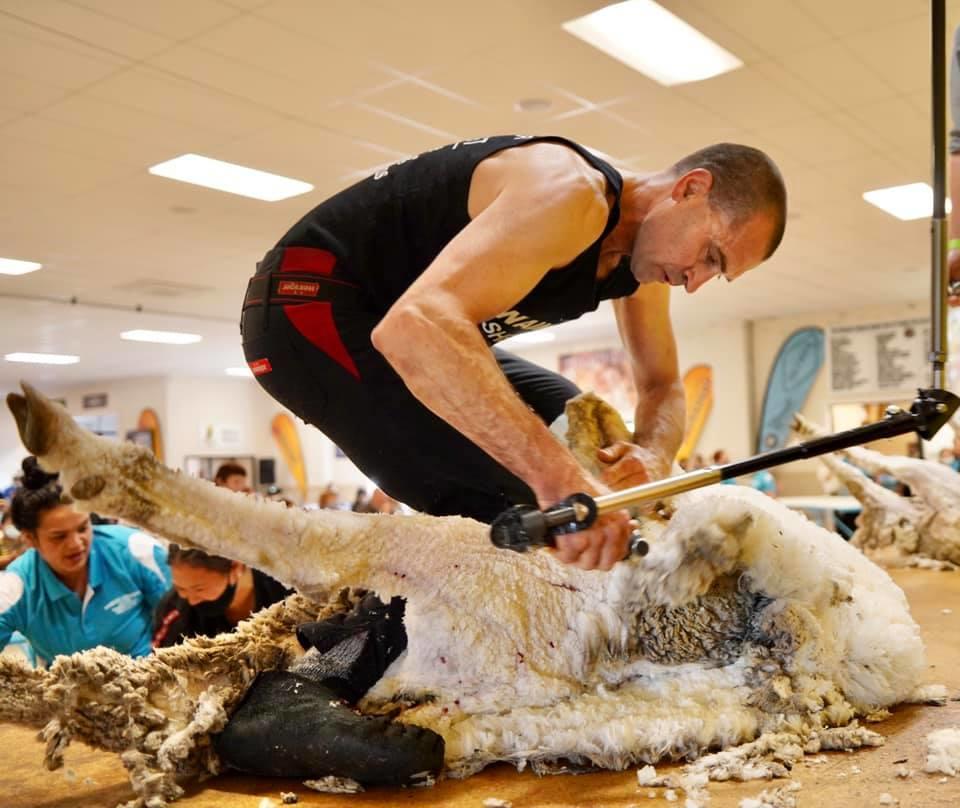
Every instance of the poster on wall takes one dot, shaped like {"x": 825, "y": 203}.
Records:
{"x": 606, "y": 373}
{"x": 793, "y": 373}
{"x": 886, "y": 359}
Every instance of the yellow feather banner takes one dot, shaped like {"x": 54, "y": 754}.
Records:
{"x": 698, "y": 392}
{"x": 288, "y": 441}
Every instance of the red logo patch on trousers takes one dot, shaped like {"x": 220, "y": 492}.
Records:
{"x": 260, "y": 366}
{"x": 298, "y": 288}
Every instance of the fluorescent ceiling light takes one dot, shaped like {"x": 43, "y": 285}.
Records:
{"x": 913, "y": 201}
{"x": 229, "y": 177}
{"x": 532, "y": 338}
{"x": 42, "y": 358}
{"x": 166, "y": 337}
{"x": 11, "y": 266}
{"x": 239, "y": 372}
{"x": 648, "y": 38}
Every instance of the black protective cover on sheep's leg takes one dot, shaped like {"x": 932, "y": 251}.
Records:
{"x": 290, "y": 726}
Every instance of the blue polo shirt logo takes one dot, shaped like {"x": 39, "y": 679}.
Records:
{"x": 124, "y": 603}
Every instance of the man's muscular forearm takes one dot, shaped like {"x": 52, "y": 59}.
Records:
{"x": 446, "y": 364}
{"x": 659, "y": 424}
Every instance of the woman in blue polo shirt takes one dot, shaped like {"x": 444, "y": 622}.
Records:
{"x": 79, "y": 585}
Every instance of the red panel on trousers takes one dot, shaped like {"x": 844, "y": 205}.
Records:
{"x": 307, "y": 259}
{"x": 315, "y": 322}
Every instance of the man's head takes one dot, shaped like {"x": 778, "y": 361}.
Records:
{"x": 232, "y": 476}
{"x": 723, "y": 214}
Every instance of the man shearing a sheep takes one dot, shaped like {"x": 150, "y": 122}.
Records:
{"x": 376, "y": 316}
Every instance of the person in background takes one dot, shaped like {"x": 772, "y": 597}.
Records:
{"x": 764, "y": 481}
{"x": 956, "y": 445}
{"x": 210, "y": 595}
{"x": 329, "y": 498}
{"x": 947, "y": 457}
{"x": 721, "y": 458}
{"x": 11, "y": 542}
{"x": 232, "y": 476}
{"x": 79, "y": 585}
{"x": 361, "y": 502}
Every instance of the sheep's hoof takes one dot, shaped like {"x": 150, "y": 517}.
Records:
{"x": 289, "y": 726}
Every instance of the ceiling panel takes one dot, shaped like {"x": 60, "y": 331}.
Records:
{"x": 149, "y": 90}
{"x": 30, "y": 53}
{"x": 77, "y": 23}
{"x": 94, "y": 91}
{"x": 176, "y": 19}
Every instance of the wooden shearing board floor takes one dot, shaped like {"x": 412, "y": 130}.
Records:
{"x": 852, "y": 780}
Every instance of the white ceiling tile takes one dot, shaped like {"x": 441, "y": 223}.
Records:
{"x": 747, "y": 97}
{"x": 59, "y": 62}
{"x": 837, "y": 74}
{"x": 120, "y": 120}
{"x": 176, "y": 19}
{"x": 401, "y": 134}
{"x": 83, "y": 141}
{"x": 816, "y": 140}
{"x": 319, "y": 68}
{"x": 892, "y": 122}
{"x": 855, "y": 16}
{"x": 307, "y": 153}
{"x": 27, "y": 95}
{"x": 183, "y": 100}
{"x": 460, "y": 116}
{"x": 399, "y": 37}
{"x": 35, "y": 165}
{"x": 773, "y": 28}
{"x": 898, "y": 55}
{"x": 77, "y": 23}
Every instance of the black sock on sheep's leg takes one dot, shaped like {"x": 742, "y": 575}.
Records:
{"x": 289, "y": 726}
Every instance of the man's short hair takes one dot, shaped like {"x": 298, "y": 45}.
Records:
{"x": 745, "y": 181}
{"x": 227, "y": 470}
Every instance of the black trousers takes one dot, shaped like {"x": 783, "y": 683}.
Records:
{"x": 317, "y": 360}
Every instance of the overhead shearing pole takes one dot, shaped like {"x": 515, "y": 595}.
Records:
{"x": 938, "y": 224}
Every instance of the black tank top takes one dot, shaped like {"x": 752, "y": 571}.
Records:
{"x": 387, "y": 229}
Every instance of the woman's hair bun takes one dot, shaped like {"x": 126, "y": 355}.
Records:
{"x": 35, "y": 477}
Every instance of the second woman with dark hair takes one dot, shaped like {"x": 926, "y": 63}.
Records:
{"x": 210, "y": 595}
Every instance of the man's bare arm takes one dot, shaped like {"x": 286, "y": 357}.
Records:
{"x": 430, "y": 335}
{"x": 647, "y": 334}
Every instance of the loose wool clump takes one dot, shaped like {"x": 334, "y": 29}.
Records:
{"x": 943, "y": 751}
{"x": 745, "y": 629}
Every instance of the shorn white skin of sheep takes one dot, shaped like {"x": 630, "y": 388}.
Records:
{"x": 920, "y": 530}
{"x": 744, "y": 619}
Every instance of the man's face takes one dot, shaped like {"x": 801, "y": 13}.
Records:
{"x": 684, "y": 241}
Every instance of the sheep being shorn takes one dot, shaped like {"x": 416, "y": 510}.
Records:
{"x": 745, "y": 624}
{"x": 922, "y": 529}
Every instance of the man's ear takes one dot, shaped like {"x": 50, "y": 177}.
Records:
{"x": 696, "y": 182}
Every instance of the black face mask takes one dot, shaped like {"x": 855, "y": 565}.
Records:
{"x": 216, "y": 608}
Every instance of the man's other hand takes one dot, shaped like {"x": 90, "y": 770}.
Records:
{"x": 626, "y": 465}
{"x": 599, "y": 547}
